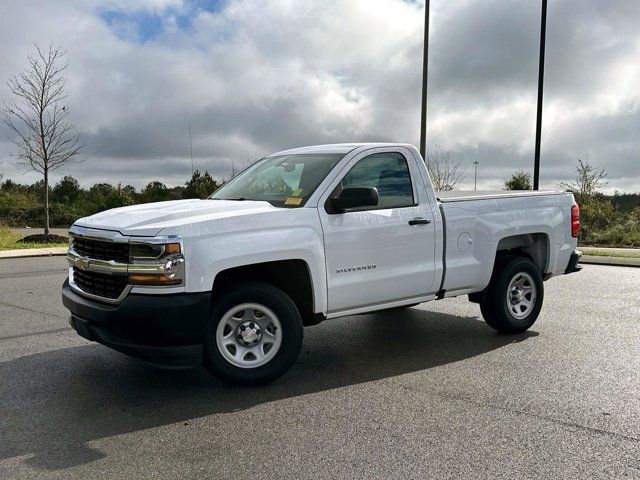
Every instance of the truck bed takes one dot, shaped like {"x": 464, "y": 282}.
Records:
{"x": 470, "y": 195}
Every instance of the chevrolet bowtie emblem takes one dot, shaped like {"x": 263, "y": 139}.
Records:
{"x": 84, "y": 263}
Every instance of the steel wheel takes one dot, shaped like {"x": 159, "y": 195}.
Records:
{"x": 249, "y": 335}
{"x": 521, "y": 295}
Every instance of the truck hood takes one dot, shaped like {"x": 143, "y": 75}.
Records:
{"x": 147, "y": 220}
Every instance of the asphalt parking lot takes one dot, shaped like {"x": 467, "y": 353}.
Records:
{"x": 427, "y": 393}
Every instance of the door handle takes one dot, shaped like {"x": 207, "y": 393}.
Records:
{"x": 419, "y": 221}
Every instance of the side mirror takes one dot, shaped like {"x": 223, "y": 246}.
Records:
{"x": 354, "y": 197}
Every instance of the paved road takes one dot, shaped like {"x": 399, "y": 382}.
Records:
{"x": 428, "y": 393}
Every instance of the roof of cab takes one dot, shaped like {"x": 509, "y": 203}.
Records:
{"x": 334, "y": 148}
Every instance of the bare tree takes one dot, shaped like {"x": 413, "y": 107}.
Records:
{"x": 446, "y": 174}
{"x": 589, "y": 180}
{"x": 235, "y": 169}
{"x": 39, "y": 119}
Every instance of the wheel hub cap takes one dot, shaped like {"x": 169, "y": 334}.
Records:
{"x": 248, "y": 334}
{"x": 517, "y": 294}
{"x": 521, "y": 295}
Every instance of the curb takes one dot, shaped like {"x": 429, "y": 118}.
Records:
{"x": 33, "y": 252}
{"x": 612, "y": 261}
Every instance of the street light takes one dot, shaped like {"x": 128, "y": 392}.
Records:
{"x": 425, "y": 69}
{"x": 475, "y": 176}
{"x": 191, "y": 149}
{"x": 543, "y": 34}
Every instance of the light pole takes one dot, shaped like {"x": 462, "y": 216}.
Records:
{"x": 475, "y": 176}
{"x": 191, "y": 149}
{"x": 543, "y": 34}
{"x": 425, "y": 69}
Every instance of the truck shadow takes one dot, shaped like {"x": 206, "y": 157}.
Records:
{"x": 54, "y": 403}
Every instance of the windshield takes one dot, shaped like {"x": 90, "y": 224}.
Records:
{"x": 283, "y": 180}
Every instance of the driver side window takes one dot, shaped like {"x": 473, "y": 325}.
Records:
{"x": 389, "y": 173}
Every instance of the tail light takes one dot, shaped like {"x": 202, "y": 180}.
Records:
{"x": 575, "y": 221}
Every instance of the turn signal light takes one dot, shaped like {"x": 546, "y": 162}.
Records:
{"x": 153, "y": 280}
{"x": 575, "y": 221}
{"x": 172, "y": 248}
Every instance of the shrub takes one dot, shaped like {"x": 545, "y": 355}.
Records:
{"x": 17, "y": 207}
{"x": 596, "y": 214}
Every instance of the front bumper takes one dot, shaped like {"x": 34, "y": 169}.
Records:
{"x": 166, "y": 330}
{"x": 573, "y": 265}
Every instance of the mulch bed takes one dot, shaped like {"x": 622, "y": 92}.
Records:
{"x": 41, "y": 238}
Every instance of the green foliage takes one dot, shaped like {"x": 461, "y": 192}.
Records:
{"x": 66, "y": 191}
{"x": 37, "y": 189}
{"x": 103, "y": 196}
{"x": 625, "y": 233}
{"x": 129, "y": 190}
{"x": 18, "y": 206}
{"x": 200, "y": 185}
{"x": 21, "y": 205}
{"x": 155, "y": 192}
{"x": 626, "y": 202}
{"x": 604, "y": 221}
{"x": 596, "y": 215}
{"x": 520, "y": 180}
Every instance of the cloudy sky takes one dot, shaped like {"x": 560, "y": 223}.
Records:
{"x": 257, "y": 77}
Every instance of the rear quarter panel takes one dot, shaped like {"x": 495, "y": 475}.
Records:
{"x": 474, "y": 228}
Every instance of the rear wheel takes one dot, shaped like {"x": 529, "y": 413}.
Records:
{"x": 254, "y": 336}
{"x": 513, "y": 300}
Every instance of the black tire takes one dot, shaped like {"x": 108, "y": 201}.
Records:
{"x": 288, "y": 316}
{"x": 494, "y": 304}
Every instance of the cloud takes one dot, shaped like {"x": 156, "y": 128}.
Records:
{"x": 256, "y": 79}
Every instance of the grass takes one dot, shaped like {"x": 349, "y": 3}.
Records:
{"x": 9, "y": 241}
{"x": 593, "y": 251}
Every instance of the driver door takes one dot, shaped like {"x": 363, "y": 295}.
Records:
{"x": 373, "y": 254}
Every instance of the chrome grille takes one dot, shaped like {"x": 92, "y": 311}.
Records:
{"x": 100, "y": 284}
{"x": 101, "y": 250}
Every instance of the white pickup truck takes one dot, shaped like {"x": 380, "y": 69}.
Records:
{"x": 302, "y": 236}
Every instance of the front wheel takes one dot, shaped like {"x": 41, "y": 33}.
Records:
{"x": 254, "y": 336}
{"x": 512, "y": 301}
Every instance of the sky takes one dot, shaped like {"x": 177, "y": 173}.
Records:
{"x": 253, "y": 78}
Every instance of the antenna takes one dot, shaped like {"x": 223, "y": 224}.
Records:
{"x": 191, "y": 149}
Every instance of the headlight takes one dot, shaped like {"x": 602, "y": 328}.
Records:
{"x": 156, "y": 262}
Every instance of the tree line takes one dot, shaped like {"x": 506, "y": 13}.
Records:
{"x": 21, "y": 205}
